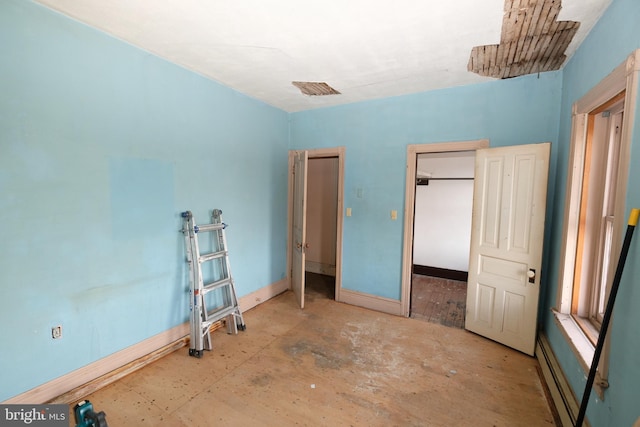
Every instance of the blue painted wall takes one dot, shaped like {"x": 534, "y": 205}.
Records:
{"x": 615, "y": 36}
{"x": 376, "y": 134}
{"x": 102, "y": 145}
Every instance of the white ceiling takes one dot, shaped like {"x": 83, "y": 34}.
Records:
{"x": 365, "y": 49}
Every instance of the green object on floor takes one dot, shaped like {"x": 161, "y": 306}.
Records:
{"x": 87, "y": 417}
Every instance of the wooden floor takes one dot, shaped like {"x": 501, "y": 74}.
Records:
{"x": 333, "y": 364}
{"x": 438, "y": 300}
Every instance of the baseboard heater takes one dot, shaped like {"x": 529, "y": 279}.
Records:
{"x": 563, "y": 398}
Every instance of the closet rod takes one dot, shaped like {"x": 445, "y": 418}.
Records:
{"x": 425, "y": 181}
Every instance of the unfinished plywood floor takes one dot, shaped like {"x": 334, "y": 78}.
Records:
{"x": 333, "y": 364}
{"x": 438, "y": 300}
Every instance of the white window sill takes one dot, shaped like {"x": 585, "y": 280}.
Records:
{"x": 578, "y": 341}
{"x": 582, "y": 347}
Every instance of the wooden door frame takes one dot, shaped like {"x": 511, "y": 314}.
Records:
{"x": 410, "y": 199}
{"x": 319, "y": 153}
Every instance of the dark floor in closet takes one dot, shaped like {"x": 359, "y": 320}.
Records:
{"x": 319, "y": 286}
{"x": 438, "y": 300}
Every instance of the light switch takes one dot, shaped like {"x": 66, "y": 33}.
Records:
{"x": 394, "y": 214}
{"x": 348, "y": 211}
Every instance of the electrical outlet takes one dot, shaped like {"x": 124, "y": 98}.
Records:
{"x": 56, "y": 332}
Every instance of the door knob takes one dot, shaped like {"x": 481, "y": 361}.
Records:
{"x": 531, "y": 274}
{"x": 298, "y": 245}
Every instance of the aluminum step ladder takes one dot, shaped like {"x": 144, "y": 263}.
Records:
{"x": 219, "y": 286}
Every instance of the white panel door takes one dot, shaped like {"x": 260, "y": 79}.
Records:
{"x": 299, "y": 224}
{"x": 506, "y": 244}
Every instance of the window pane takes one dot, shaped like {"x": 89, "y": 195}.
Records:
{"x": 604, "y": 262}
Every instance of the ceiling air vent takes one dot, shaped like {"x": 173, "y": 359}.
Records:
{"x": 315, "y": 88}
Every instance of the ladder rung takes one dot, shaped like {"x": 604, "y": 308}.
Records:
{"x": 211, "y": 227}
{"x": 215, "y": 285}
{"x": 217, "y": 314}
{"x": 212, "y": 256}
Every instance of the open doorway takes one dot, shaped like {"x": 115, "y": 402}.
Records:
{"x": 322, "y": 214}
{"x": 505, "y": 256}
{"x": 316, "y": 193}
{"x": 441, "y": 236}
{"x": 448, "y": 149}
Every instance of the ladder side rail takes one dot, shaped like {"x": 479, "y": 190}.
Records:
{"x": 187, "y": 231}
{"x": 232, "y": 326}
{"x": 224, "y": 270}
{"x": 192, "y": 254}
{"x": 199, "y": 335}
{"x": 229, "y": 300}
{"x": 231, "y": 320}
{"x": 203, "y": 341}
{"x": 221, "y": 252}
{"x": 196, "y": 342}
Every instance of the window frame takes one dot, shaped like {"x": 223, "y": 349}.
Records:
{"x": 592, "y": 273}
{"x": 622, "y": 78}
{"x": 599, "y": 293}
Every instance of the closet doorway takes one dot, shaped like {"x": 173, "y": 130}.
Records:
{"x": 441, "y": 236}
{"x": 316, "y": 193}
{"x": 322, "y": 213}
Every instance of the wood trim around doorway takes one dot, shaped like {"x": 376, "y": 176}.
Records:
{"x": 410, "y": 198}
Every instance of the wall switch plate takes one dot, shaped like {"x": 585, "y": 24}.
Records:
{"x": 348, "y": 211}
{"x": 394, "y": 214}
{"x": 56, "y": 332}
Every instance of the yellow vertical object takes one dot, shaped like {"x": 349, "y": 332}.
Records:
{"x": 633, "y": 218}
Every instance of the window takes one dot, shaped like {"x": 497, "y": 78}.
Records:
{"x": 595, "y": 213}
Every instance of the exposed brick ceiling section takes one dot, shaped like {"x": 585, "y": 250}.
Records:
{"x": 315, "y": 88}
{"x": 532, "y": 41}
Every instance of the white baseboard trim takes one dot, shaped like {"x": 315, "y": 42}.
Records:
{"x": 566, "y": 403}
{"x": 61, "y": 385}
{"x": 263, "y": 294}
{"x": 54, "y": 388}
{"x": 373, "y": 302}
